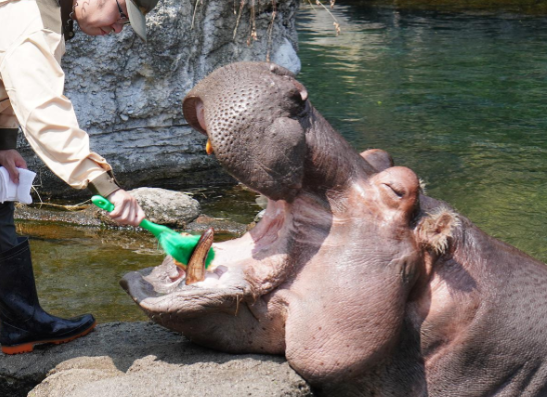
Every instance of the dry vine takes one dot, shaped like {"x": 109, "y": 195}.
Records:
{"x": 335, "y": 23}
{"x": 253, "y": 36}
{"x": 270, "y": 30}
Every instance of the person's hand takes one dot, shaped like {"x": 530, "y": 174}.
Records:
{"x": 11, "y": 159}
{"x": 127, "y": 210}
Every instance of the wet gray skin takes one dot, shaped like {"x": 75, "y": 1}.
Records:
{"x": 369, "y": 287}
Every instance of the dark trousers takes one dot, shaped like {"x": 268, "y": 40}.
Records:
{"x": 8, "y": 237}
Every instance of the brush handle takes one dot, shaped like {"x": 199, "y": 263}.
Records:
{"x": 102, "y": 203}
{"x": 106, "y": 205}
{"x": 179, "y": 247}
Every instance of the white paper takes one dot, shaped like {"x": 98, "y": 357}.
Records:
{"x": 9, "y": 191}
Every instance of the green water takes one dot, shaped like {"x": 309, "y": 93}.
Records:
{"x": 459, "y": 98}
{"x": 78, "y": 269}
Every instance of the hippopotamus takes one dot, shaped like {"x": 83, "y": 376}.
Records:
{"x": 368, "y": 286}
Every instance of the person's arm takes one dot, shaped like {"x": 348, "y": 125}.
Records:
{"x": 34, "y": 82}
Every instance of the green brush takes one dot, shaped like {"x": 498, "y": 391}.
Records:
{"x": 179, "y": 247}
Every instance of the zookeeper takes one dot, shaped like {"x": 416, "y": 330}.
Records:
{"x": 32, "y": 41}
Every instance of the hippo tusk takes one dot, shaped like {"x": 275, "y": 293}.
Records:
{"x": 195, "y": 271}
{"x": 209, "y": 147}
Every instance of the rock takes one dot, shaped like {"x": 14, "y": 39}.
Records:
{"x": 143, "y": 359}
{"x": 165, "y": 207}
{"x": 127, "y": 94}
{"x": 47, "y": 213}
{"x": 221, "y": 226}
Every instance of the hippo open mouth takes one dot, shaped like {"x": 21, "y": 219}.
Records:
{"x": 258, "y": 262}
{"x": 174, "y": 288}
{"x": 323, "y": 198}
{"x": 230, "y": 256}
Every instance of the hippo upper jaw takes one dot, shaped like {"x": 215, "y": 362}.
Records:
{"x": 255, "y": 123}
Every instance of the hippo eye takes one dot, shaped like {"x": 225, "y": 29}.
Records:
{"x": 396, "y": 188}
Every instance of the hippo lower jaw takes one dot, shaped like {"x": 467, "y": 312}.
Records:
{"x": 162, "y": 290}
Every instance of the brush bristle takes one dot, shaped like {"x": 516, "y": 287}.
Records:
{"x": 179, "y": 247}
{"x": 182, "y": 247}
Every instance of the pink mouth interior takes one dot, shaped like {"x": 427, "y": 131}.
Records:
{"x": 231, "y": 257}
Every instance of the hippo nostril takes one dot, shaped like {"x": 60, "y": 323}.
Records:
{"x": 200, "y": 112}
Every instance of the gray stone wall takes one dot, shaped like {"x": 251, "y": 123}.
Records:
{"x": 127, "y": 94}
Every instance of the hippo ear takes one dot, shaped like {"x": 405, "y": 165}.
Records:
{"x": 280, "y": 70}
{"x": 398, "y": 189}
{"x": 301, "y": 90}
{"x": 378, "y": 158}
{"x": 436, "y": 229}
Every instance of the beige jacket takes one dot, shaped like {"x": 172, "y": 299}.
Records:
{"x": 31, "y": 94}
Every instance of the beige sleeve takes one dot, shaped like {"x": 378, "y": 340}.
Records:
{"x": 34, "y": 82}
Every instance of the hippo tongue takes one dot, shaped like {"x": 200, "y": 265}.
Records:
{"x": 195, "y": 271}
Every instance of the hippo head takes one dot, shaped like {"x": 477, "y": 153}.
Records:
{"x": 324, "y": 277}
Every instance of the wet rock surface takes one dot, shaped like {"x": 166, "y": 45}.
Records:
{"x": 143, "y": 359}
{"x": 221, "y": 226}
{"x": 165, "y": 207}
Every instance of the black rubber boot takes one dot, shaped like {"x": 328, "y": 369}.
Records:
{"x": 23, "y": 323}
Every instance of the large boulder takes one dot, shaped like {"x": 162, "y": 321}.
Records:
{"x": 127, "y": 94}
{"x": 162, "y": 206}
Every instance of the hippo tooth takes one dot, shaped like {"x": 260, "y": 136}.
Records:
{"x": 195, "y": 271}
{"x": 179, "y": 271}
{"x": 181, "y": 265}
{"x": 209, "y": 147}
